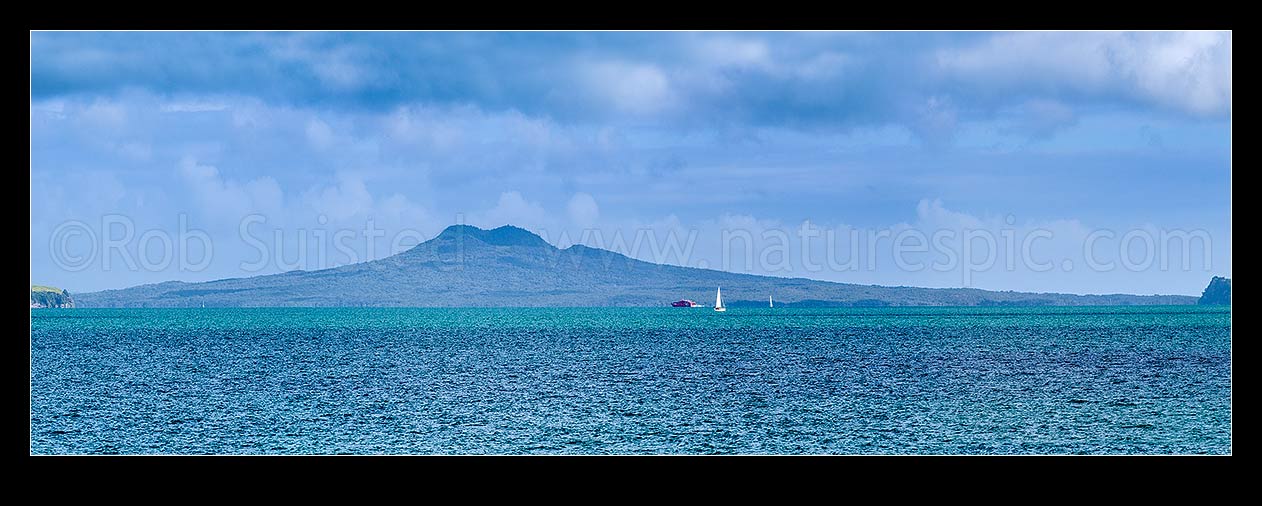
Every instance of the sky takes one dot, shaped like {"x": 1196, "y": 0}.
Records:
{"x": 1078, "y": 162}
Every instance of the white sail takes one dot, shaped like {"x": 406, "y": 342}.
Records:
{"x": 718, "y": 300}
{"x": 770, "y": 303}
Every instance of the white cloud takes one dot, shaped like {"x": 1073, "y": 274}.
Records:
{"x": 728, "y": 51}
{"x": 347, "y": 199}
{"x": 339, "y": 68}
{"x": 434, "y": 128}
{"x": 229, "y": 201}
{"x": 583, "y": 210}
{"x": 88, "y": 195}
{"x": 827, "y": 65}
{"x": 349, "y": 204}
{"x": 536, "y": 132}
{"x": 932, "y": 214}
{"x": 513, "y": 209}
{"x": 138, "y": 151}
{"x": 319, "y": 133}
{"x": 934, "y": 121}
{"x": 1188, "y": 71}
{"x": 55, "y": 107}
{"x": 194, "y": 106}
{"x": 340, "y": 73}
{"x": 635, "y": 88}
{"x": 108, "y": 115}
{"x": 403, "y": 211}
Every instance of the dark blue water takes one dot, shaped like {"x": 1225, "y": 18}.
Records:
{"x": 1103, "y": 380}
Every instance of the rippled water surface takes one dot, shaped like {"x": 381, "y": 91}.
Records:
{"x": 1100, "y": 380}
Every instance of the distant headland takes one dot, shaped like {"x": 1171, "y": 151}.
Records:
{"x": 47, "y": 296}
{"x": 510, "y": 266}
{"x": 1218, "y": 293}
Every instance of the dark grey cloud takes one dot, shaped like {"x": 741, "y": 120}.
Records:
{"x": 926, "y": 82}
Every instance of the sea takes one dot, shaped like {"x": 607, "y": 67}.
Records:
{"x": 456, "y": 381}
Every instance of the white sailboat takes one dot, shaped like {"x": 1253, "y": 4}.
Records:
{"x": 718, "y": 300}
{"x": 770, "y": 303}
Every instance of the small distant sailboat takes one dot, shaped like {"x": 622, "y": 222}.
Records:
{"x": 718, "y": 300}
{"x": 770, "y": 303}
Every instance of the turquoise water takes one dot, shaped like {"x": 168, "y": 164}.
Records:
{"x": 1100, "y": 380}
